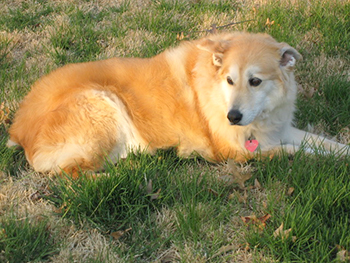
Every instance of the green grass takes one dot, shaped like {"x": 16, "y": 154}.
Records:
{"x": 173, "y": 209}
{"x": 122, "y": 200}
{"x": 201, "y": 210}
{"x": 24, "y": 240}
{"x": 335, "y": 116}
{"x": 330, "y": 30}
{"x": 318, "y": 211}
{"x": 23, "y": 16}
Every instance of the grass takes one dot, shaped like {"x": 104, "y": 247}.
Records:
{"x": 163, "y": 208}
{"x": 318, "y": 211}
{"x": 335, "y": 117}
{"x": 22, "y": 240}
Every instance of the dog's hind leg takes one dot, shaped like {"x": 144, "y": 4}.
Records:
{"x": 80, "y": 133}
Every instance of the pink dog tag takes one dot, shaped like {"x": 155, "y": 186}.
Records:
{"x": 251, "y": 145}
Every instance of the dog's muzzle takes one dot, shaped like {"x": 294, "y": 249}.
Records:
{"x": 234, "y": 116}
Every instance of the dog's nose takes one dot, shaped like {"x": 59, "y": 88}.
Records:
{"x": 234, "y": 116}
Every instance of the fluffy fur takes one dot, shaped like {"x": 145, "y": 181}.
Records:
{"x": 206, "y": 96}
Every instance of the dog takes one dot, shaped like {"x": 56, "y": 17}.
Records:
{"x": 221, "y": 97}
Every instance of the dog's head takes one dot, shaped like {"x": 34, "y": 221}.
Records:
{"x": 255, "y": 72}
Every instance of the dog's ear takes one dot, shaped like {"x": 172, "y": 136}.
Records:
{"x": 288, "y": 55}
{"x": 217, "y": 48}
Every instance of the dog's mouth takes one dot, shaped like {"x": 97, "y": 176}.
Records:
{"x": 235, "y": 124}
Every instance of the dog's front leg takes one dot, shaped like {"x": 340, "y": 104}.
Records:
{"x": 298, "y": 137}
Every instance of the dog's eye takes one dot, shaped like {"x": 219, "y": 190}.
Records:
{"x": 229, "y": 80}
{"x": 255, "y": 82}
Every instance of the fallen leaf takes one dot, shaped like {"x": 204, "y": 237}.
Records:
{"x": 307, "y": 92}
{"x": 249, "y": 219}
{"x": 169, "y": 256}
{"x": 257, "y": 185}
{"x": 118, "y": 234}
{"x": 4, "y": 114}
{"x": 343, "y": 255}
{"x": 149, "y": 187}
{"x": 156, "y": 194}
{"x": 61, "y": 209}
{"x": 35, "y": 196}
{"x": 264, "y": 218}
{"x": 290, "y": 191}
{"x": 237, "y": 176}
{"x": 262, "y": 221}
{"x": 180, "y": 36}
{"x": 223, "y": 250}
{"x": 279, "y": 232}
{"x": 227, "y": 179}
{"x": 269, "y": 23}
{"x": 58, "y": 210}
{"x": 241, "y": 198}
{"x": 231, "y": 196}
{"x": 149, "y": 190}
{"x": 213, "y": 192}
{"x": 264, "y": 204}
{"x": 258, "y": 222}
{"x": 240, "y": 181}
{"x": 39, "y": 218}
{"x": 3, "y": 233}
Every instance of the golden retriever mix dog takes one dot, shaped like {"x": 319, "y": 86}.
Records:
{"x": 219, "y": 97}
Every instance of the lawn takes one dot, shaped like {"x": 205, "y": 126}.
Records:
{"x": 162, "y": 208}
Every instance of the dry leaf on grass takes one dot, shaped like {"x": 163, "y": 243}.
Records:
{"x": 257, "y": 184}
{"x": 290, "y": 191}
{"x": 224, "y": 250}
{"x": 343, "y": 255}
{"x": 213, "y": 192}
{"x": 236, "y": 176}
{"x": 180, "y": 36}
{"x": 249, "y": 219}
{"x": 264, "y": 204}
{"x": 156, "y": 195}
{"x": 283, "y": 234}
{"x": 168, "y": 257}
{"x": 4, "y": 114}
{"x": 35, "y": 196}
{"x": 269, "y": 23}
{"x": 241, "y": 198}
{"x": 307, "y": 92}
{"x": 247, "y": 247}
{"x": 227, "y": 179}
{"x": 61, "y": 209}
{"x": 149, "y": 187}
{"x": 118, "y": 234}
{"x": 258, "y": 222}
{"x": 149, "y": 190}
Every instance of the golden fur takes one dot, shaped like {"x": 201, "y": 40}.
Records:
{"x": 82, "y": 113}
